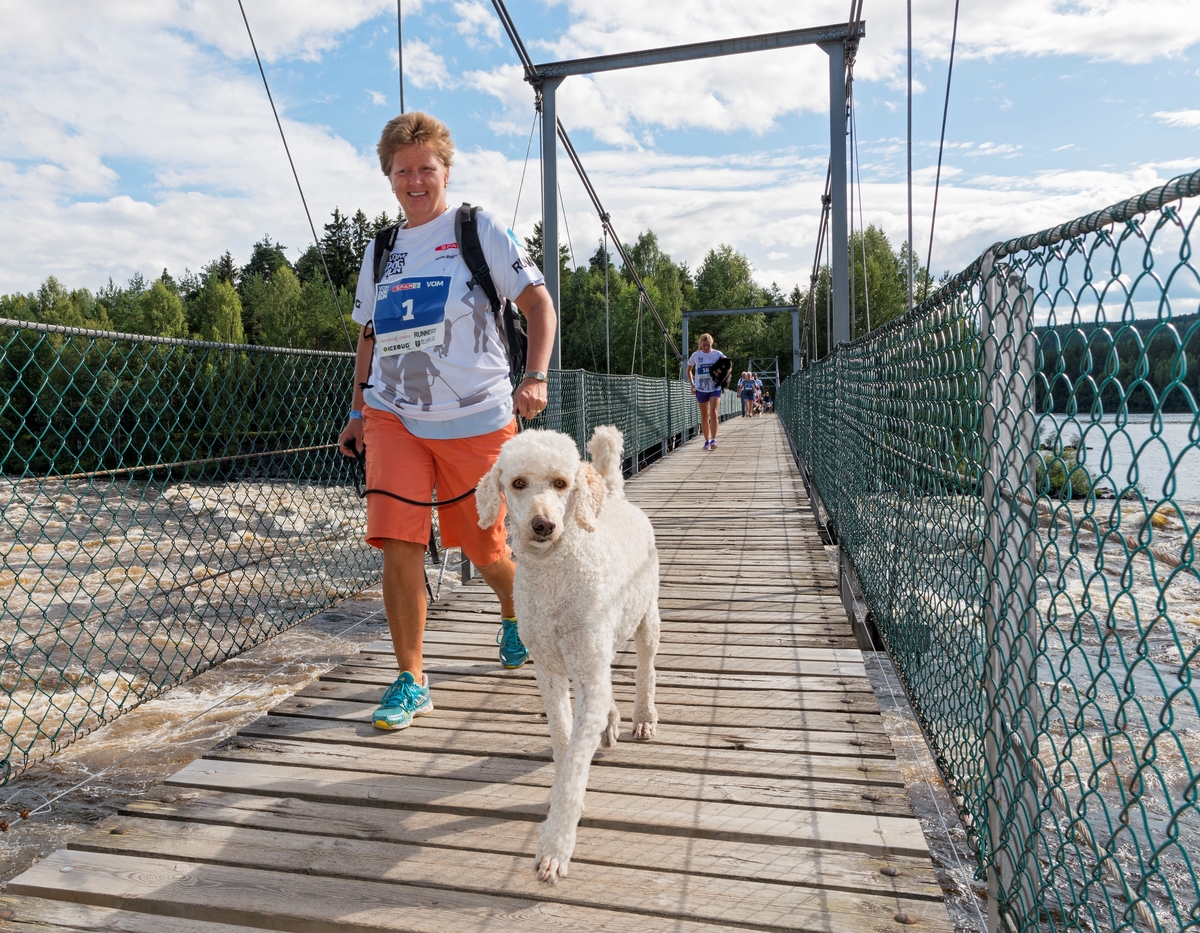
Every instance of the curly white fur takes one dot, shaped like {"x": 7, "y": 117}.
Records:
{"x": 587, "y": 580}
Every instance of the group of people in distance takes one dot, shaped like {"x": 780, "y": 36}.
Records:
{"x": 754, "y": 400}
{"x": 708, "y": 393}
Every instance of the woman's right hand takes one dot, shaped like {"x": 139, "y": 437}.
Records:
{"x": 350, "y": 441}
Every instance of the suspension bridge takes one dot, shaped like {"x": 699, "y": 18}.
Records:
{"x": 996, "y": 490}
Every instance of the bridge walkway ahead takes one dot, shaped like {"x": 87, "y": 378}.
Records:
{"x": 769, "y": 800}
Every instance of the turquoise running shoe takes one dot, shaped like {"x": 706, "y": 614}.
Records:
{"x": 512, "y": 652}
{"x": 401, "y": 702}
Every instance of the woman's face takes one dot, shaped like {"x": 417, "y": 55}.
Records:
{"x": 705, "y": 345}
{"x": 419, "y": 181}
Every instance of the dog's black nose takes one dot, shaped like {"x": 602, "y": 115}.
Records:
{"x": 542, "y": 528}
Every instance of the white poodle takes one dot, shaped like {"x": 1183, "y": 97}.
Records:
{"x": 587, "y": 580}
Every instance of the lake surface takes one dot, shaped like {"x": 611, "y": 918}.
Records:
{"x": 1161, "y": 455}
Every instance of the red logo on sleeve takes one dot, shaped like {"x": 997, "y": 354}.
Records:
{"x": 438, "y": 249}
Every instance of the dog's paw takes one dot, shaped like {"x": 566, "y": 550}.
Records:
{"x": 644, "y": 730}
{"x": 552, "y": 860}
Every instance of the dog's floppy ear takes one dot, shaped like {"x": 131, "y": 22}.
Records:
{"x": 588, "y": 496}
{"x": 489, "y": 497}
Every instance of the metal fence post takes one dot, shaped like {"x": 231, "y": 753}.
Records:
{"x": 1011, "y": 629}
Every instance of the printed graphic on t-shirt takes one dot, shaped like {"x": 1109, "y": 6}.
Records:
{"x": 410, "y": 314}
{"x": 703, "y": 362}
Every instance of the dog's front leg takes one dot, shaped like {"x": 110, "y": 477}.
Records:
{"x": 556, "y": 841}
{"x": 645, "y": 716}
{"x": 556, "y": 697}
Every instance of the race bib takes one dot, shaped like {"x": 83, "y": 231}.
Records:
{"x": 410, "y": 314}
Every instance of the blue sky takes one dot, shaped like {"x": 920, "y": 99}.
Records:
{"x": 142, "y": 137}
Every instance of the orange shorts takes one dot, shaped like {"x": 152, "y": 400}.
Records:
{"x": 410, "y": 466}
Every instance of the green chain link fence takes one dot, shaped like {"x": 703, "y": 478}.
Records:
{"x": 1016, "y": 485}
{"x": 168, "y": 504}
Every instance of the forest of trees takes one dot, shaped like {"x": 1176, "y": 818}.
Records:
{"x": 271, "y": 301}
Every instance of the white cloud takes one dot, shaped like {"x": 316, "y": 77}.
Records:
{"x": 1187, "y": 118}
{"x": 377, "y": 98}
{"x": 473, "y": 18}
{"x": 423, "y": 67}
{"x": 198, "y": 136}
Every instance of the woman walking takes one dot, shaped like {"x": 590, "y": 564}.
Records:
{"x": 708, "y": 394}
{"x": 447, "y": 434}
{"x": 746, "y": 394}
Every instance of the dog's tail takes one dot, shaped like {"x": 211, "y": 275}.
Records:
{"x": 605, "y": 447}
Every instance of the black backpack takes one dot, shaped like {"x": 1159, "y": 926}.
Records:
{"x": 466, "y": 234}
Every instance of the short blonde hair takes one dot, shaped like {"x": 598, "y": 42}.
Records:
{"x": 414, "y": 128}
{"x": 704, "y": 337}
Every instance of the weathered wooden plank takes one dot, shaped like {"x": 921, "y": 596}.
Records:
{"x": 658, "y": 893}
{"x": 709, "y": 647}
{"x": 528, "y": 736}
{"x": 848, "y": 871}
{"x": 879, "y": 835}
{"x": 448, "y": 656}
{"x": 366, "y": 683}
{"x": 643, "y": 769}
{"x": 271, "y": 899}
{"x": 38, "y": 915}
{"x": 841, "y": 709}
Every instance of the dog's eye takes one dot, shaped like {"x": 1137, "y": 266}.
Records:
{"x": 560, "y": 483}
{"x": 519, "y": 483}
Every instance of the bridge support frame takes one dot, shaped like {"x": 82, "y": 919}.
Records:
{"x": 832, "y": 39}
{"x": 795, "y": 312}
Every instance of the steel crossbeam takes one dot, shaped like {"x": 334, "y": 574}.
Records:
{"x": 816, "y": 35}
{"x": 792, "y": 309}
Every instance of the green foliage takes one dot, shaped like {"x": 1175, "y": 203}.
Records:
{"x": 160, "y": 312}
{"x": 880, "y": 292}
{"x": 216, "y": 312}
{"x": 276, "y": 309}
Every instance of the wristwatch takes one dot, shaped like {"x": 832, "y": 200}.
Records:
{"x": 537, "y": 376}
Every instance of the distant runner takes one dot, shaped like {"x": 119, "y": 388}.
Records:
{"x": 707, "y": 394}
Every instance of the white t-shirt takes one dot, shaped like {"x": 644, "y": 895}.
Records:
{"x": 438, "y": 354}
{"x": 702, "y": 363}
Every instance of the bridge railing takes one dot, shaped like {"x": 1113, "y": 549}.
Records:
{"x": 168, "y": 504}
{"x": 1016, "y": 485}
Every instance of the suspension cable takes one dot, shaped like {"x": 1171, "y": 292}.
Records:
{"x": 941, "y": 145}
{"x": 531, "y": 72}
{"x": 400, "y": 52}
{"x": 856, "y": 166}
{"x": 910, "y": 169}
{"x": 521, "y": 187}
{"x": 606, "y": 220}
{"x": 575, "y": 263}
{"x": 311, "y": 226}
{"x": 822, "y": 229}
{"x": 607, "y": 337}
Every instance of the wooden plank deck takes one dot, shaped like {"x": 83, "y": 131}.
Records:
{"x": 770, "y": 799}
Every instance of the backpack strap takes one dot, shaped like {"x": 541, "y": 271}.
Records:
{"x": 466, "y": 234}
{"x": 508, "y": 324}
{"x": 385, "y": 239}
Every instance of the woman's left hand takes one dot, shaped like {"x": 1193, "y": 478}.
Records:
{"x": 530, "y": 398}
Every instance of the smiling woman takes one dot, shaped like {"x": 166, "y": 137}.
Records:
{"x": 436, "y": 424}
